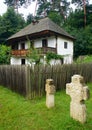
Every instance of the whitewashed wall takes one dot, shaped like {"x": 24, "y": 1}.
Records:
{"x": 60, "y": 46}
{"x": 66, "y": 52}
{"x": 38, "y": 43}
{"x": 51, "y": 42}
{"x": 26, "y": 45}
{"x": 55, "y": 62}
{"x": 15, "y": 61}
{"x": 68, "y": 59}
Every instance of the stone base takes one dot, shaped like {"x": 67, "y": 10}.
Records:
{"x": 49, "y": 100}
{"x": 78, "y": 112}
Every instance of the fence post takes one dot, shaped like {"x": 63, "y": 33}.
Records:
{"x": 28, "y": 82}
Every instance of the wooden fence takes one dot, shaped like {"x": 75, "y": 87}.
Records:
{"x": 30, "y": 81}
{"x": 13, "y": 77}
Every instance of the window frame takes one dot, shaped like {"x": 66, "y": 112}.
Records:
{"x": 22, "y": 46}
{"x": 15, "y": 46}
{"x": 23, "y": 61}
{"x": 65, "y": 45}
{"x": 44, "y": 43}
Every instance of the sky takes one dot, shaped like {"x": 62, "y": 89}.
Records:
{"x": 25, "y": 11}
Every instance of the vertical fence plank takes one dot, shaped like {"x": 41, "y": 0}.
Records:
{"x": 30, "y": 81}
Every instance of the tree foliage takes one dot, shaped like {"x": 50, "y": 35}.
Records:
{"x": 80, "y": 3}
{"x": 29, "y": 19}
{"x": 75, "y": 20}
{"x": 55, "y": 17}
{"x": 51, "y": 55}
{"x": 89, "y": 14}
{"x": 44, "y": 7}
{"x": 33, "y": 56}
{"x": 60, "y": 6}
{"x": 48, "y": 6}
{"x": 78, "y": 22}
{"x": 10, "y": 23}
{"x": 5, "y": 54}
{"x": 17, "y": 2}
{"x": 75, "y": 26}
{"x": 83, "y": 43}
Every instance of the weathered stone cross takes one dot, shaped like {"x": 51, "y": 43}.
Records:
{"x": 78, "y": 93}
{"x": 50, "y": 90}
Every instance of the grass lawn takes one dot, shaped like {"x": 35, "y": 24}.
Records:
{"x": 86, "y": 59}
{"x": 17, "y": 113}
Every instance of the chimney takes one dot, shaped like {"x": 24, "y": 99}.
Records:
{"x": 34, "y": 21}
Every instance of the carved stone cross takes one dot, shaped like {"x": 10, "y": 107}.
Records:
{"x": 78, "y": 92}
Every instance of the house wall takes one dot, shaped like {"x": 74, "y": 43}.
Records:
{"x": 67, "y": 53}
{"x": 51, "y": 42}
{"x": 26, "y": 45}
{"x": 37, "y": 43}
{"x": 60, "y": 46}
{"x": 17, "y": 61}
{"x": 55, "y": 62}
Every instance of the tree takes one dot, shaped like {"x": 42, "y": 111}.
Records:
{"x": 10, "y": 23}
{"x": 75, "y": 26}
{"x": 45, "y": 7}
{"x": 33, "y": 56}
{"x": 89, "y": 14}
{"x": 17, "y": 3}
{"x": 82, "y": 3}
{"x": 83, "y": 43}
{"x": 62, "y": 6}
{"x": 5, "y": 54}
{"x": 75, "y": 20}
{"x": 29, "y": 18}
{"x": 54, "y": 16}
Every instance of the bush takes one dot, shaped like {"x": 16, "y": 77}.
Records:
{"x": 5, "y": 54}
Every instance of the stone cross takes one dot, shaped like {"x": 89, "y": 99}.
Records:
{"x": 50, "y": 90}
{"x": 78, "y": 93}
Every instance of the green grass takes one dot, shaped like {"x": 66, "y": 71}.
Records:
{"x": 86, "y": 59}
{"x": 17, "y": 113}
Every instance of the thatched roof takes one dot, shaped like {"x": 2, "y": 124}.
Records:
{"x": 42, "y": 25}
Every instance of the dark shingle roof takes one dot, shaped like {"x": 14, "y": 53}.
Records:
{"x": 42, "y": 25}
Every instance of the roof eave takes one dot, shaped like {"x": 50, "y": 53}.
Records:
{"x": 38, "y": 35}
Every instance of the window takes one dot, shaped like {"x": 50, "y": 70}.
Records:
{"x": 22, "y": 45}
{"x": 65, "y": 45}
{"x": 15, "y": 46}
{"x": 44, "y": 43}
{"x": 23, "y": 61}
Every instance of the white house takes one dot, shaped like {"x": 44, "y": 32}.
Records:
{"x": 44, "y": 35}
